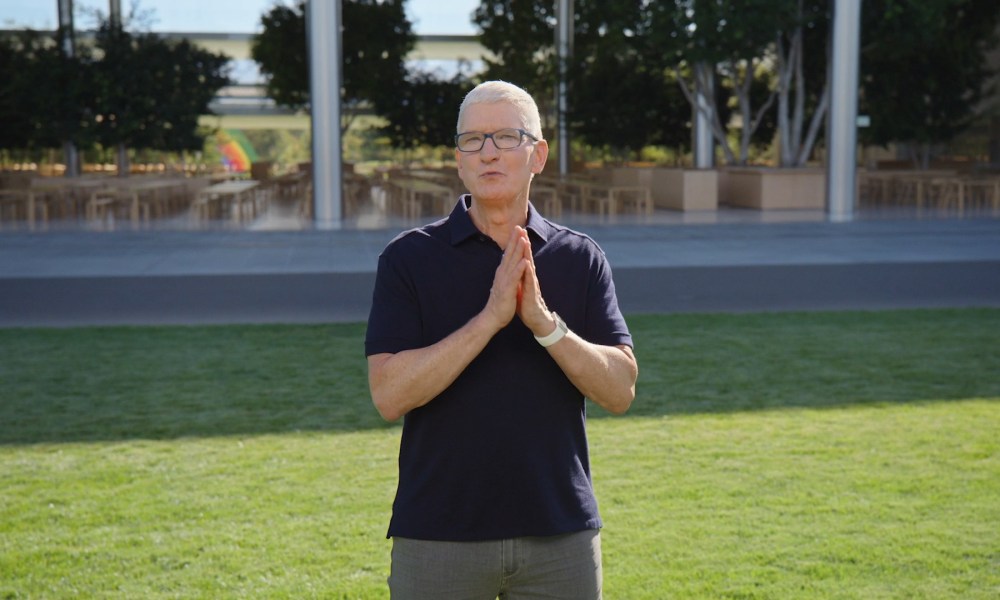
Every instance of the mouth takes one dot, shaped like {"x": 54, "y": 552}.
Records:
{"x": 488, "y": 174}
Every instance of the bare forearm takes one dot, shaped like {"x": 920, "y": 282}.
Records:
{"x": 605, "y": 374}
{"x": 406, "y": 380}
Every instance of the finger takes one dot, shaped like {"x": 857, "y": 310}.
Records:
{"x": 529, "y": 279}
{"x": 512, "y": 243}
{"x": 523, "y": 234}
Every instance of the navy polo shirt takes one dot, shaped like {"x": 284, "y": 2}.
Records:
{"x": 502, "y": 452}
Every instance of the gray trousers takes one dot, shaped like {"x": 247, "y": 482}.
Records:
{"x": 563, "y": 566}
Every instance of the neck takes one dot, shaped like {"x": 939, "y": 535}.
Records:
{"x": 498, "y": 221}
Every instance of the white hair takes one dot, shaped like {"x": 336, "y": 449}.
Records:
{"x": 496, "y": 92}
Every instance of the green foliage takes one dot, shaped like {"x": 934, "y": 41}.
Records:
{"x": 286, "y": 147}
{"x": 419, "y": 107}
{"x": 424, "y": 111}
{"x": 280, "y": 51}
{"x": 15, "y": 94}
{"x": 150, "y": 92}
{"x": 620, "y": 96}
{"x": 376, "y": 37}
{"x": 521, "y": 35}
{"x": 134, "y": 89}
{"x": 622, "y": 103}
{"x": 759, "y": 51}
{"x": 924, "y": 67}
{"x": 46, "y": 98}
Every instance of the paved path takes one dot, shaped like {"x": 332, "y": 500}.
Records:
{"x": 73, "y": 278}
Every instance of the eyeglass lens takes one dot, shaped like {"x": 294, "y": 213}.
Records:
{"x": 504, "y": 139}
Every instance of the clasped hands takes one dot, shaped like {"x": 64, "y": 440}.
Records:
{"x": 515, "y": 288}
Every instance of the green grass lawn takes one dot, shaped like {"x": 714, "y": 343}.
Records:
{"x": 805, "y": 455}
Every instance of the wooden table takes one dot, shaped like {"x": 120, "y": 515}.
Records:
{"x": 546, "y": 199}
{"x": 67, "y": 197}
{"x": 15, "y": 203}
{"x": 233, "y": 197}
{"x": 410, "y": 196}
{"x": 612, "y": 199}
{"x": 961, "y": 191}
{"x": 906, "y": 188}
{"x": 603, "y": 198}
{"x": 139, "y": 198}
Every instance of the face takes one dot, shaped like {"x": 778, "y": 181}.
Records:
{"x": 498, "y": 176}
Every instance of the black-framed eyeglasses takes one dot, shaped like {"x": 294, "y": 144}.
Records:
{"x": 503, "y": 139}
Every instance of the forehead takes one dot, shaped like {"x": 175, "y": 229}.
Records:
{"x": 491, "y": 116}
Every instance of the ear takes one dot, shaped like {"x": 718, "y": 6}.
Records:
{"x": 539, "y": 156}
{"x": 458, "y": 162}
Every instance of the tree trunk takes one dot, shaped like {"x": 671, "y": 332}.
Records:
{"x": 784, "y": 85}
{"x": 717, "y": 129}
{"x": 121, "y": 154}
{"x": 794, "y": 149}
{"x": 750, "y": 121}
{"x": 72, "y": 158}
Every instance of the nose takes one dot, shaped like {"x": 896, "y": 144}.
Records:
{"x": 489, "y": 149}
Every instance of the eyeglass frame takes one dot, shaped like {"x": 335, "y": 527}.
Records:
{"x": 489, "y": 136}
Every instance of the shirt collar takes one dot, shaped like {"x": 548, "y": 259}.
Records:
{"x": 462, "y": 227}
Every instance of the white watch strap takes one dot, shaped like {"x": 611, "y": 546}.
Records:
{"x": 560, "y": 331}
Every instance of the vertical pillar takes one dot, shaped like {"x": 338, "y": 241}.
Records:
{"x": 67, "y": 43}
{"x": 702, "y": 140}
{"x": 564, "y": 48}
{"x": 323, "y": 33}
{"x": 995, "y": 141}
{"x": 841, "y": 167}
{"x": 121, "y": 152}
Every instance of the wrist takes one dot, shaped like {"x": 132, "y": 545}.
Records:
{"x": 557, "y": 333}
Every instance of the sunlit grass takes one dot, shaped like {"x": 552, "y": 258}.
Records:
{"x": 828, "y": 455}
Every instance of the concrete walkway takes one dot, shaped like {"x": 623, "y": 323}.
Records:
{"x": 676, "y": 264}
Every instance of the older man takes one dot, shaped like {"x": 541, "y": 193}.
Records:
{"x": 488, "y": 329}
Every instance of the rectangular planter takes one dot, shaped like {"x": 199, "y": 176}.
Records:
{"x": 774, "y": 189}
{"x": 674, "y": 189}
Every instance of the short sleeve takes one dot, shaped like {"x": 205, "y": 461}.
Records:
{"x": 394, "y": 319}
{"x": 605, "y": 324}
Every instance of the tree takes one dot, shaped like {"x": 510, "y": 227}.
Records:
{"x": 129, "y": 89}
{"x": 620, "y": 94}
{"x": 802, "y": 42}
{"x": 280, "y": 50}
{"x": 621, "y": 97}
{"x": 722, "y": 45}
{"x": 150, "y": 91}
{"x": 521, "y": 35}
{"x": 424, "y": 110}
{"x": 376, "y": 37}
{"x": 923, "y": 75}
{"x": 44, "y": 96}
{"x": 15, "y": 94}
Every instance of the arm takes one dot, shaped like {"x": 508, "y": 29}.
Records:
{"x": 409, "y": 379}
{"x": 605, "y": 374}
{"x": 406, "y": 380}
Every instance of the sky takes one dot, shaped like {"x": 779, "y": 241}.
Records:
{"x": 429, "y": 17}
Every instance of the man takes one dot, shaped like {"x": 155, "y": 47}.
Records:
{"x": 487, "y": 330}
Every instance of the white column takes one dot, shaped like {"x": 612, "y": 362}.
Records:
{"x": 323, "y": 33}
{"x": 702, "y": 140}
{"x": 841, "y": 167}
{"x": 564, "y": 50}
{"x": 68, "y": 46}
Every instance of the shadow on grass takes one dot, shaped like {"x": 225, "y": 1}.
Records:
{"x": 107, "y": 384}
